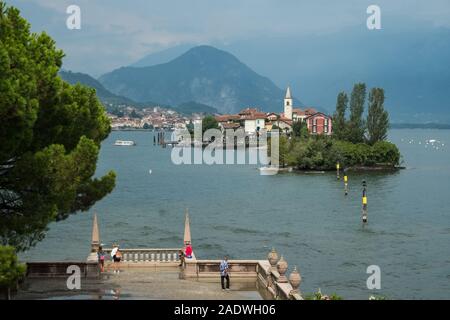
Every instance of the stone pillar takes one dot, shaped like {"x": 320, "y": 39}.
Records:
{"x": 187, "y": 230}
{"x": 95, "y": 242}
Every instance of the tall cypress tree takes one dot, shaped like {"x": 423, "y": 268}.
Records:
{"x": 356, "y": 124}
{"x": 378, "y": 117}
{"x": 339, "y": 122}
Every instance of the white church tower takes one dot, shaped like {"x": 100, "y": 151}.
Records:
{"x": 288, "y": 104}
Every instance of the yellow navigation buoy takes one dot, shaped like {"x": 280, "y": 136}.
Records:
{"x": 364, "y": 200}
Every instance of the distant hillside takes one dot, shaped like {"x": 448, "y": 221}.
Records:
{"x": 420, "y": 126}
{"x": 103, "y": 94}
{"x": 203, "y": 74}
{"x": 194, "y": 107}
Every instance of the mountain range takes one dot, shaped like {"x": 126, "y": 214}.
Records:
{"x": 111, "y": 100}
{"x": 203, "y": 74}
{"x": 409, "y": 60}
{"x": 413, "y": 68}
{"x": 106, "y": 96}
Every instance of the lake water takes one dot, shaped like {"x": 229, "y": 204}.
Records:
{"x": 307, "y": 218}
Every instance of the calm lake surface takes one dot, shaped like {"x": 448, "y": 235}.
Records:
{"x": 307, "y": 218}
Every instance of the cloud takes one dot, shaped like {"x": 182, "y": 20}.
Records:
{"x": 115, "y": 33}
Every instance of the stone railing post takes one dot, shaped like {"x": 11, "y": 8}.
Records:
{"x": 282, "y": 267}
{"x": 273, "y": 258}
{"x": 295, "y": 279}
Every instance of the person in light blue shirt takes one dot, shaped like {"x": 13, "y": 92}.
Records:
{"x": 224, "y": 273}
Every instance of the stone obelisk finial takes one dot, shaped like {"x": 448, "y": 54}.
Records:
{"x": 95, "y": 242}
{"x": 187, "y": 229}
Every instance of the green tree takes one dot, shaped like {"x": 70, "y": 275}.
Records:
{"x": 300, "y": 130}
{"x": 209, "y": 122}
{"x": 339, "y": 121}
{"x": 356, "y": 124}
{"x": 135, "y": 115}
{"x": 386, "y": 153}
{"x": 190, "y": 127}
{"x": 10, "y": 269}
{"x": 377, "y": 118}
{"x": 147, "y": 126}
{"x": 49, "y": 138}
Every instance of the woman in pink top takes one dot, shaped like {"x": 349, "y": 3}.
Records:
{"x": 188, "y": 250}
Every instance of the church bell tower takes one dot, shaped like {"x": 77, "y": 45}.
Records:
{"x": 288, "y": 104}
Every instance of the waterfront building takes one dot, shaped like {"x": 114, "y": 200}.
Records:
{"x": 253, "y": 120}
{"x": 319, "y": 123}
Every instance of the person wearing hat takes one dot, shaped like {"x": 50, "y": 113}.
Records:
{"x": 116, "y": 257}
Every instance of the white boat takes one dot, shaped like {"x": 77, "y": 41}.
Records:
{"x": 268, "y": 171}
{"x": 124, "y": 143}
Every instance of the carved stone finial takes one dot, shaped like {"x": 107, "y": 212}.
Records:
{"x": 273, "y": 258}
{"x": 282, "y": 267}
{"x": 295, "y": 279}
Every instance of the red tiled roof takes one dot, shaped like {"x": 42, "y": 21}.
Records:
{"x": 248, "y": 111}
{"x": 318, "y": 114}
{"x": 253, "y": 116}
{"x": 231, "y": 125}
{"x": 227, "y": 117}
{"x": 310, "y": 111}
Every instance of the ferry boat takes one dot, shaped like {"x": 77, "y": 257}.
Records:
{"x": 124, "y": 143}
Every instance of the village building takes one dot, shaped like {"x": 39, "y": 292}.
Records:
{"x": 319, "y": 123}
{"x": 228, "y": 121}
{"x": 253, "y": 121}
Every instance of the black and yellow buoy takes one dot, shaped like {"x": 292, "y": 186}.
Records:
{"x": 364, "y": 202}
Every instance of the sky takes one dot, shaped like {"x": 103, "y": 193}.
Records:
{"x": 117, "y": 33}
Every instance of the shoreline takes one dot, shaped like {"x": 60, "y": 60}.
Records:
{"x": 352, "y": 169}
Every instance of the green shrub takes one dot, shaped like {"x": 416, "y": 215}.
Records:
{"x": 10, "y": 269}
{"x": 386, "y": 153}
{"x": 320, "y": 296}
{"x": 322, "y": 153}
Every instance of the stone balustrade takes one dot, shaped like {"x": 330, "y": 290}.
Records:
{"x": 55, "y": 269}
{"x": 210, "y": 269}
{"x": 269, "y": 275}
{"x": 147, "y": 255}
{"x": 273, "y": 282}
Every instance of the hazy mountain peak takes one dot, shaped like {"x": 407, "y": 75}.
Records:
{"x": 203, "y": 74}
